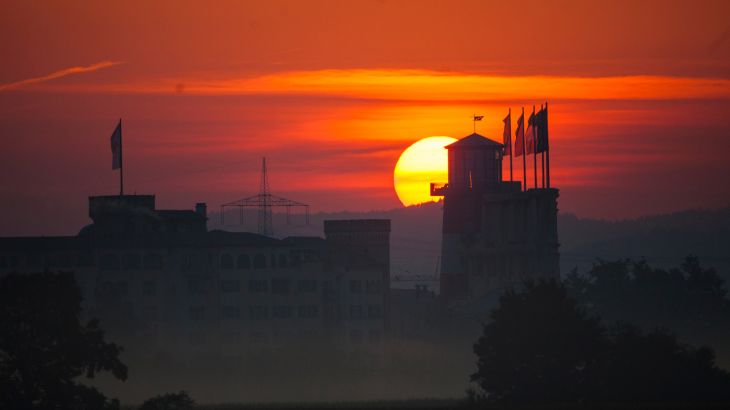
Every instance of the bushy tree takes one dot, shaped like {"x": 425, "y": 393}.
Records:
{"x": 45, "y": 349}
{"x": 689, "y": 300}
{"x": 537, "y": 346}
{"x": 169, "y": 401}
{"x": 541, "y": 346}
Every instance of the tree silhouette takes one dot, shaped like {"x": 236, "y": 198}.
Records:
{"x": 169, "y": 401}
{"x": 537, "y": 346}
{"x": 541, "y": 346}
{"x": 44, "y": 348}
{"x": 689, "y": 300}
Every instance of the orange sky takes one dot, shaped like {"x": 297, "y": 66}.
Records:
{"x": 332, "y": 92}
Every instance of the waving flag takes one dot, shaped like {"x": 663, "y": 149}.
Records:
{"x": 117, "y": 146}
{"x": 542, "y": 130}
{"x": 530, "y": 134}
{"x": 507, "y": 134}
{"x": 520, "y": 136}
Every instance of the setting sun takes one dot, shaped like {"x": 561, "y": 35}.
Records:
{"x": 423, "y": 162}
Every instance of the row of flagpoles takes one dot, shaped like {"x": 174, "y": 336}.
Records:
{"x": 533, "y": 140}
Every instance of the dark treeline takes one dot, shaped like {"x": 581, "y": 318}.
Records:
{"x": 542, "y": 346}
{"x": 689, "y": 300}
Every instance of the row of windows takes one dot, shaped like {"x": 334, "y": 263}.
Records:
{"x": 371, "y": 286}
{"x": 360, "y": 312}
{"x": 258, "y": 312}
{"x": 243, "y": 261}
{"x": 199, "y": 286}
{"x": 200, "y": 338}
{"x": 358, "y": 336}
{"x": 278, "y": 286}
{"x": 130, "y": 261}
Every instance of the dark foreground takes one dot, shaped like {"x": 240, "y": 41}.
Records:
{"x": 445, "y": 404}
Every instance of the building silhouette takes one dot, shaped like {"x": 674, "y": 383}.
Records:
{"x": 160, "y": 279}
{"x": 495, "y": 234}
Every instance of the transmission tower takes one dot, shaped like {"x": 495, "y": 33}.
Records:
{"x": 264, "y": 201}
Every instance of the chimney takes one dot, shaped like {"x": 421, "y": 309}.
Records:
{"x": 201, "y": 209}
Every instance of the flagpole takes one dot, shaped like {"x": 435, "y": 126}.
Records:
{"x": 121, "y": 161}
{"x": 511, "y": 151}
{"x": 542, "y": 153}
{"x": 534, "y": 147}
{"x": 524, "y": 153}
{"x": 547, "y": 146}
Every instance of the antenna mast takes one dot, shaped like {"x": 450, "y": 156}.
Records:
{"x": 265, "y": 225}
{"x": 264, "y": 201}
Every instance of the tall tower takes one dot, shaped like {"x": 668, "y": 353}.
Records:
{"x": 494, "y": 234}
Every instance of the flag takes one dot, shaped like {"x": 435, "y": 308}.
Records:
{"x": 520, "y": 136}
{"x": 542, "y": 130}
{"x": 530, "y": 135}
{"x": 117, "y": 146}
{"x": 478, "y": 117}
{"x": 507, "y": 135}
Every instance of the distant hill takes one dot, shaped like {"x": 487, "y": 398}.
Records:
{"x": 663, "y": 240}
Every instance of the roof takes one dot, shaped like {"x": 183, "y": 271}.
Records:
{"x": 87, "y": 241}
{"x": 475, "y": 141}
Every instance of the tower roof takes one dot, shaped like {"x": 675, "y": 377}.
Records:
{"x": 475, "y": 141}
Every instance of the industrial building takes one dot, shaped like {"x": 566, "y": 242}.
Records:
{"x": 496, "y": 233}
{"x": 159, "y": 278}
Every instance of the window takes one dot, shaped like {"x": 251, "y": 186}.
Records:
{"x": 229, "y": 312}
{"x": 355, "y": 286}
{"x": 258, "y": 312}
{"x": 230, "y": 286}
{"x": 196, "y": 286}
{"x": 226, "y": 261}
{"x": 259, "y": 261}
{"x": 243, "y": 262}
{"x": 273, "y": 261}
{"x": 355, "y": 336}
{"x": 307, "y": 285}
{"x": 356, "y": 312}
{"x": 283, "y": 261}
{"x": 258, "y": 286}
{"x": 131, "y": 261}
{"x": 280, "y": 286}
{"x": 308, "y": 311}
{"x": 372, "y": 286}
{"x": 196, "y": 312}
{"x": 375, "y": 312}
{"x": 152, "y": 261}
{"x": 109, "y": 261}
{"x": 149, "y": 288}
{"x": 281, "y": 312}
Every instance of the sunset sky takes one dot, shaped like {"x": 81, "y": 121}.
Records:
{"x": 332, "y": 92}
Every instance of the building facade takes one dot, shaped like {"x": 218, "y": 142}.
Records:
{"x": 495, "y": 233}
{"x": 160, "y": 279}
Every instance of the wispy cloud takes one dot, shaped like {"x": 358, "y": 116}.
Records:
{"x": 58, "y": 74}
{"x": 424, "y": 85}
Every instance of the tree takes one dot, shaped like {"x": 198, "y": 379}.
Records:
{"x": 537, "y": 346}
{"x": 44, "y": 348}
{"x": 170, "y": 401}
{"x": 690, "y": 300}
{"x": 541, "y": 346}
